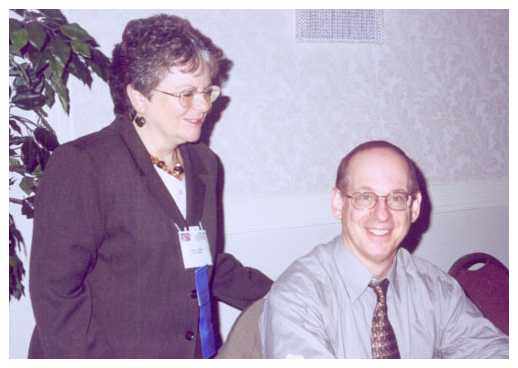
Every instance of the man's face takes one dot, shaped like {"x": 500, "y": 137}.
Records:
{"x": 374, "y": 235}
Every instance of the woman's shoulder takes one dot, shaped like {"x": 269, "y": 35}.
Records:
{"x": 102, "y": 140}
{"x": 92, "y": 149}
{"x": 203, "y": 150}
{"x": 200, "y": 153}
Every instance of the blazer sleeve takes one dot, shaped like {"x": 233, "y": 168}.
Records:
{"x": 236, "y": 284}
{"x": 233, "y": 283}
{"x": 67, "y": 231}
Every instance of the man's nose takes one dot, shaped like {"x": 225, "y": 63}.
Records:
{"x": 381, "y": 210}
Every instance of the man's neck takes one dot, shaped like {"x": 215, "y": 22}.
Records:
{"x": 378, "y": 270}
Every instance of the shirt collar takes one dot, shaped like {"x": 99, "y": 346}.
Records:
{"x": 354, "y": 275}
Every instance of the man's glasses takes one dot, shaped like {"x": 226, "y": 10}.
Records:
{"x": 186, "y": 98}
{"x": 397, "y": 201}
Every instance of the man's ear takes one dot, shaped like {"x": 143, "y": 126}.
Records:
{"x": 337, "y": 203}
{"x": 416, "y": 207}
{"x": 137, "y": 99}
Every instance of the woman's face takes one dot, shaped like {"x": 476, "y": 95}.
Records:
{"x": 167, "y": 118}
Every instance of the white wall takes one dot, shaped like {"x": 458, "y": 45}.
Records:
{"x": 437, "y": 87}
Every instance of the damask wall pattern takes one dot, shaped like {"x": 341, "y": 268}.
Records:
{"x": 437, "y": 86}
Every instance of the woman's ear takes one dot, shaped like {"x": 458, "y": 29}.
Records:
{"x": 137, "y": 99}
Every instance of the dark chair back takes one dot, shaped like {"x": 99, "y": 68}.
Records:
{"x": 487, "y": 286}
{"x": 244, "y": 339}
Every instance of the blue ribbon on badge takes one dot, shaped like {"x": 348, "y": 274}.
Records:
{"x": 208, "y": 342}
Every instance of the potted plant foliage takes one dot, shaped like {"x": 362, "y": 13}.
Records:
{"x": 44, "y": 51}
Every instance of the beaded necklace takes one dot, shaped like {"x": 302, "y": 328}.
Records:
{"x": 176, "y": 171}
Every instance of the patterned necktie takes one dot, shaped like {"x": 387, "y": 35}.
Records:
{"x": 383, "y": 340}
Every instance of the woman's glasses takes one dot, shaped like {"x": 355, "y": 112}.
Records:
{"x": 186, "y": 98}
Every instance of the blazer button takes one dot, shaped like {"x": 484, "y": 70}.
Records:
{"x": 193, "y": 294}
{"x": 189, "y": 335}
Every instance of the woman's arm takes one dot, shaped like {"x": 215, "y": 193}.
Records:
{"x": 67, "y": 231}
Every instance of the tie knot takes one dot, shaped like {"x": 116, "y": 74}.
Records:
{"x": 380, "y": 288}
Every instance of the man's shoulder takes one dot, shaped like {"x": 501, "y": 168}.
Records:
{"x": 419, "y": 271}
{"x": 308, "y": 274}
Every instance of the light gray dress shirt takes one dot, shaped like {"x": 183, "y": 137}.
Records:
{"x": 322, "y": 307}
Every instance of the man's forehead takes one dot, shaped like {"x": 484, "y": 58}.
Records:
{"x": 373, "y": 155}
{"x": 378, "y": 162}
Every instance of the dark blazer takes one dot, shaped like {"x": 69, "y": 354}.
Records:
{"x": 106, "y": 272}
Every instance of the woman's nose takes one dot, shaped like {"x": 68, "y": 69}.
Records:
{"x": 200, "y": 103}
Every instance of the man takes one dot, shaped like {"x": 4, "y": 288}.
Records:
{"x": 360, "y": 295}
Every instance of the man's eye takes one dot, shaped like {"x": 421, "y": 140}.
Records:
{"x": 399, "y": 197}
{"x": 364, "y": 196}
{"x": 187, "y": 93}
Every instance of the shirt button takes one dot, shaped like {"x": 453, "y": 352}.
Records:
{"x": 193, "y": 294}
{"x": 189, "y": 335}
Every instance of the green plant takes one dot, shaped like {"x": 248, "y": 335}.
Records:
{"x": 44, "y": 50}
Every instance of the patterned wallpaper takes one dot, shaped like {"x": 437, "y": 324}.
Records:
{"x": 437, "y": 86}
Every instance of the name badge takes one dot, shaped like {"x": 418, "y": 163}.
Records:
{"x": 195, "y": 247}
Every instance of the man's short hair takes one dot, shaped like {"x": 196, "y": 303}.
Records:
{"x": 342, "y": 174}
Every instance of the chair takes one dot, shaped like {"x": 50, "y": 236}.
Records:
{"x": 244, "y": 340}
{"x": 487, "y": 286}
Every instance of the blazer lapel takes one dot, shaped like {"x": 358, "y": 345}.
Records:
{"x": 155, "y": 185}
{"x": 195, "y": 183}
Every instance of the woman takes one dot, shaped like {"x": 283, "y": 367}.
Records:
{"x": 109, "y": 274}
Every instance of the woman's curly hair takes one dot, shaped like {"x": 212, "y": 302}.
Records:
{"x": 150, "y": 47}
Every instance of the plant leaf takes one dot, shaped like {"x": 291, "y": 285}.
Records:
{"x": 49, "y": 94}
{"x": 56, "y": 68}
{"x": 14, "y": 141}
{"x": 14, "y": 24}
{"x": 80, "y": 70}
{"x": 62, "y": 92}
{"x": 28, "y": 100}
{"x": 16, "y": 270}
{"x": 47, "y": 139}
{"x": 54, "y": 13}
{"x": 100, "y": 64}
{"x": 20, "y": 12}
{"x": 28, "y": 207}
{"x": 27, "y": 185}
{"x": 75, "y": 32}
{"x": 16, "y": 166}
{"x": 60, "y": 50}
{"x": 81, "y": 48}
{"x": 37, "y": 34}
{"x": 13, "y": 124}
{"x": 43, "y": 158}
{"x": 19, "y": 38}
{"x": 20, "y": 84}
{"x": 30, "y": 155}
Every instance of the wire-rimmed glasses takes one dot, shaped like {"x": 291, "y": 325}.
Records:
{"x": 186, "y": 98}
{"x": 397, "y": 201}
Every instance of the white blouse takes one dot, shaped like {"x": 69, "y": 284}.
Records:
{"x": 176, "y": 189}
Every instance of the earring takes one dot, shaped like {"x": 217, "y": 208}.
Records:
{"x": 140, "y": 121}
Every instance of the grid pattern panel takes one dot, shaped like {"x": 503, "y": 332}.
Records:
{"x": 339, "y": 25}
